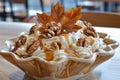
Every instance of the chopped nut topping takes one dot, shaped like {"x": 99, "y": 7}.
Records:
{"x": 89, "y": 31}
{"x": 21, "y": 41}
{"x": 52, "y": 46}
{"x": 32, "y": 30}
{"x": 46, "y": 46}
{"x": 52, "y": 29}
{"x": 88, "y": 24}
{"x": 32, "y": 47}
{"x": 56, "y": 45}
{"x": 82, "y": 42}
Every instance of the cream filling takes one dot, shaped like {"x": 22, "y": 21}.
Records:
{"x": 66, "y": 40}
{"x": 84, "y": 52}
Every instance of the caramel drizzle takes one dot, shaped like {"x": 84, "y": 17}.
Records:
{"x": 66, "y": 37}
{"x": 71, "y": 51}
{"x": 49, "y": 55}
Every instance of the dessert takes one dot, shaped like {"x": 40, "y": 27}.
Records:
{"x": 59, "y": 46}
{"x": 58, "y": 35}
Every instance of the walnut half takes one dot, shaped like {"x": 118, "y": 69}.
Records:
{"x": 32, "y": 47}
{"x": 52, "y": 29}
{"x": 21, "y": 41}
{"x": 56, "y": 45}
{"x": 89, "y": 30}
{"x": 52, "y": 46}
{"x": 82, "y": 42}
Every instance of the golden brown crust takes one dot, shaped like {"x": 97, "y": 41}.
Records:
{"x": 109, "y": 41}
{"x": 102, "y": 35}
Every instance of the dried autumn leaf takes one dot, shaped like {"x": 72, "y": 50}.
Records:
{"x": 72, "y": 16}
{"x": 69, "y": 19}
{"x": 57, "y": 12}
{"x": 43, "y": 18}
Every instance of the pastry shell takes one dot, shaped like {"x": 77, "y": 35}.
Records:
{"x": 67, "y": 68}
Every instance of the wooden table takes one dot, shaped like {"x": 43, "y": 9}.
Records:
{"x": 109, "y": 70}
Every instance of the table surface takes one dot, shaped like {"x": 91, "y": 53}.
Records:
{"x": 109, "y": 70}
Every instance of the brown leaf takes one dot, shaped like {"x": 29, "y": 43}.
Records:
{"x": 69, "y": 19}
{"x": 72, "y": 16}
{"x": 57, "y": 12}
{"x": 43, "y": 18}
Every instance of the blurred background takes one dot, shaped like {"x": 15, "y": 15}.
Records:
{"x": 19, "y": 10}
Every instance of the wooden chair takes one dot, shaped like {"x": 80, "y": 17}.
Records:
{"x": 102, "y": 19}
{"x": 2, "y": 10}
{"x": 42, "y": 6}
{"x": 18, "y": 14}
{"x": 88, "y": 4}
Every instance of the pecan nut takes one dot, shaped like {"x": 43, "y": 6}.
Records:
{"x": 32, "y": 29}
{"x": 52, "y": 46}
{"x": 46, "y": 46}
{"x": 89, "y": 31}
{"x": 52, "y": 29}
{"x": 88, "y": 24}
{"x": 32, "y": 47}
{"x": 21, "y": 41}
{"x": 56, "y": 45}
{"x": 82, "y": 42}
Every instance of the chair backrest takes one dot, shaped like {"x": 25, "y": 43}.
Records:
{"x": 25, "y": 4}
{"x": 18, "y": 1}
{"x": 102, "y": 19}
{"x": 2, "y": 9}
